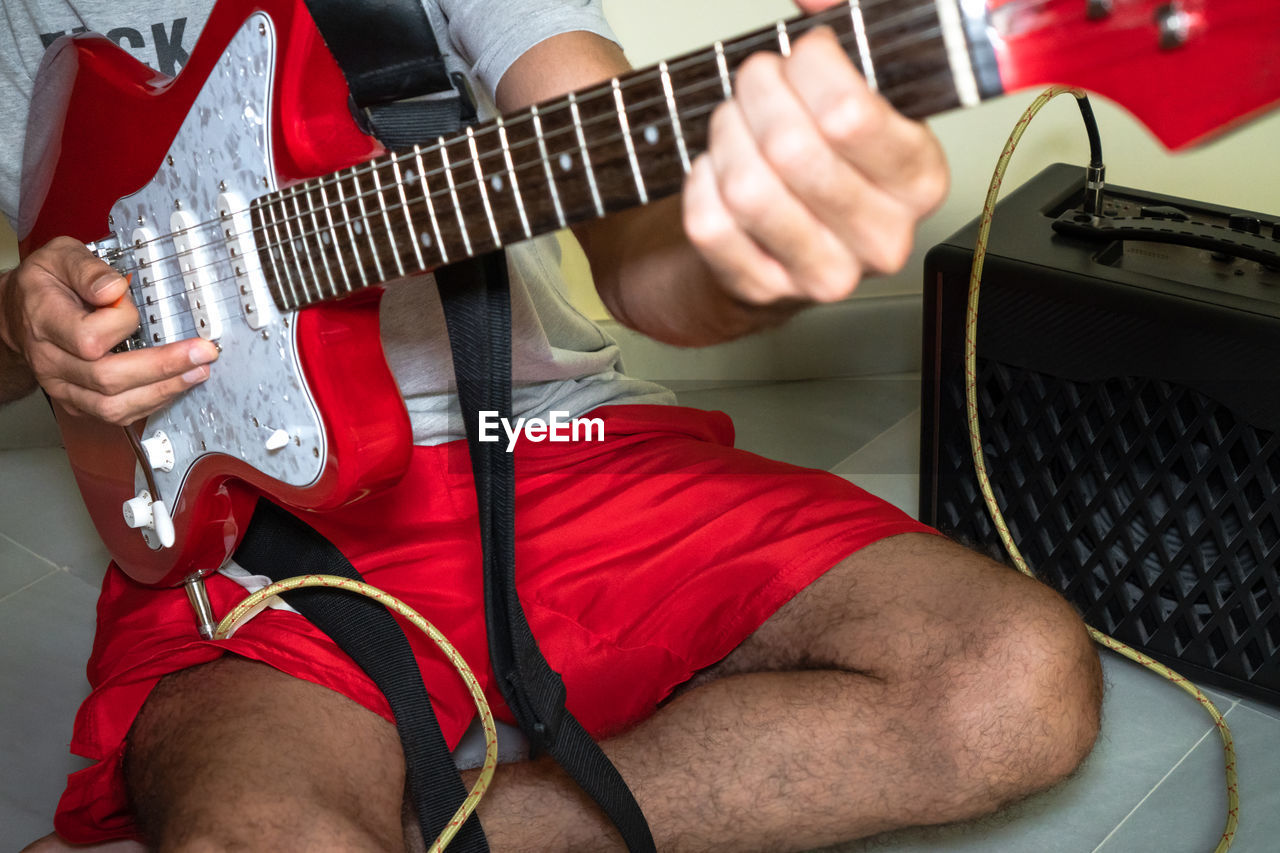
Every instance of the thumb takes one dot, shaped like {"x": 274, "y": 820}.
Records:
{"x": 96, "y": 283}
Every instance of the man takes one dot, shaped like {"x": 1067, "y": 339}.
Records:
{"x": 836, "y": 671}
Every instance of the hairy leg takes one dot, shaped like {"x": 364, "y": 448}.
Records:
{"x": 915, "y": 683}
{"x": 234, "y": 755}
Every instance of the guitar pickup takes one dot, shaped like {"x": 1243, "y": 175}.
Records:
{"x": 251, "y": 286}
{"x": 199, "y": 274}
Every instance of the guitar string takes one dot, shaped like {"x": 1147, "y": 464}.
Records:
{"x": 588, "y": 97}
{"x": 397, "y": 207}
{"x": 314, "y": 288}
{"x": 378, "y": 193}
{"x": 605, "y": 92}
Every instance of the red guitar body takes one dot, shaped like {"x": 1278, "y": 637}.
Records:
{"x": 113, "y": 130}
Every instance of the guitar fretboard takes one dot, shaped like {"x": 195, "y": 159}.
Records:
{"x": 608, "y": 148}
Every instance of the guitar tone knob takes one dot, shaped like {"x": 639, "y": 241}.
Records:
{"x": 137, "y": 511}
{"x": 159, "y": 450}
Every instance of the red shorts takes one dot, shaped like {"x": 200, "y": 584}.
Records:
{"x": 641, "y": 560}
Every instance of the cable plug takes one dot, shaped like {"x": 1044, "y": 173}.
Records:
{"x": 1095, "y": 179}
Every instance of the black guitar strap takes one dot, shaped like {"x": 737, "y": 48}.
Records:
{"x": 388, "y": 53}
{"x": 477, "y": 310}
{"x": 401, "y": 91}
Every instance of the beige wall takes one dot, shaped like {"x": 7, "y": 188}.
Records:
{"x": 8, "y": 246}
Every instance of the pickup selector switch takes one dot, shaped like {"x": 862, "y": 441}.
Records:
{"x": 277, "y": 440}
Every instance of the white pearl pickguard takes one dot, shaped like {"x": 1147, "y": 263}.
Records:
{"x": 255, "y": 406}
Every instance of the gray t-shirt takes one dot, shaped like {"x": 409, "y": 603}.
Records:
{"x": 562, "y": 361}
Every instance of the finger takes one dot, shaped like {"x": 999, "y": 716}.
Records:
{"x": 119, "y": 373}
{"x": 874, "y": 225}
{"x": 811, "y": 6}
{"x": 819, "y": 265}
{"x": 132, "y": 405}
{"x": 897, "y": 154}
{"x": 748, "y": 273}
{"x": 86, "y": 332}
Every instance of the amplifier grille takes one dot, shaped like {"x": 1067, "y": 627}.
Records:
{"x": 1153, "y": 508}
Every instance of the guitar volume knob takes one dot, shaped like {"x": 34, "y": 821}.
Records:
{"x": 159, "y": 451}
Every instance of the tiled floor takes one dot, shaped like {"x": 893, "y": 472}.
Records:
{"x": 1153, "y": 784}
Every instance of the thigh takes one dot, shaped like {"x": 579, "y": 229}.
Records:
{"x": 899, "y": 607}
{"x": 235, "y": 747}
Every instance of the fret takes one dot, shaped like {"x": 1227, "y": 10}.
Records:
{"x": 624, "y": 123}
{"x": 723, "y": 66}
{"x": 347, "y": 220}
{"x": 784, "y": 39}
{"x": 511, "y": 175}
{"x": 582, "y": 150}
{"x": 323, "y": 238}
{"x": 284, "y": 245}
{"x": 333, "y": 241}
{"x": 966, "y": 82}
{"x": 533, "y": 194}
{"x": 302, "y": 232}
{"x": 676, "y": 128}
{"x": 909, "y": 55}
{"x": 483, "y": 184}
{"x": 408, "y": 216}
{"x": 361, "y": 225}
{"x": 301, "y": 242}
{"x": 386, "y": 220}
{"x": 453, "y": 193}
{"x": 656, "y": 146}
{"x": 864, "y": 46}
{"x": 275, "y": 280}
{"x": 495, "y": 168}
{"x": 693, "y": 79}
{"x": 546, "y": 163}
{"x": 431, "y": 208}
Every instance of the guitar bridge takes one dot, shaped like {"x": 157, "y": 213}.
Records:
{"x": 120, "y": 258}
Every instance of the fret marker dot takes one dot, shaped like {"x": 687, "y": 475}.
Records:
{"x": 325, "y": 238}
{"x": 359, "y": 228}
{"x": 410, "y": 176}
{"x": 566, "y": 162}
{"x": 496, "y": 183}
{"x": 425, "y": 238}
{"x": 297, "y": 246}
{"x": 651, "y": 135}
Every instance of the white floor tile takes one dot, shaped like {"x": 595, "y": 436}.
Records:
{"x": 46, "y": 631}
{"x": 41, "y": 509}
{"x": 1148, "y": 725}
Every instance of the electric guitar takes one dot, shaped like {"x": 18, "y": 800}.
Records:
{"x": 250, "y": 210}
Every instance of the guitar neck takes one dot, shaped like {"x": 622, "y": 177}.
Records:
{"x": 605, "y": 149}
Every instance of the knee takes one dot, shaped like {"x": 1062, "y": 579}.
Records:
{"x": 1055, "y": 681}
{"x": 1024, "y": 704}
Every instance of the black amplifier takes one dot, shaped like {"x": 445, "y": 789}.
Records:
{"x": 1129, "y": 404}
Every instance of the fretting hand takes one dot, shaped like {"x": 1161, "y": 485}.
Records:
{"x": 810, "y": 180}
